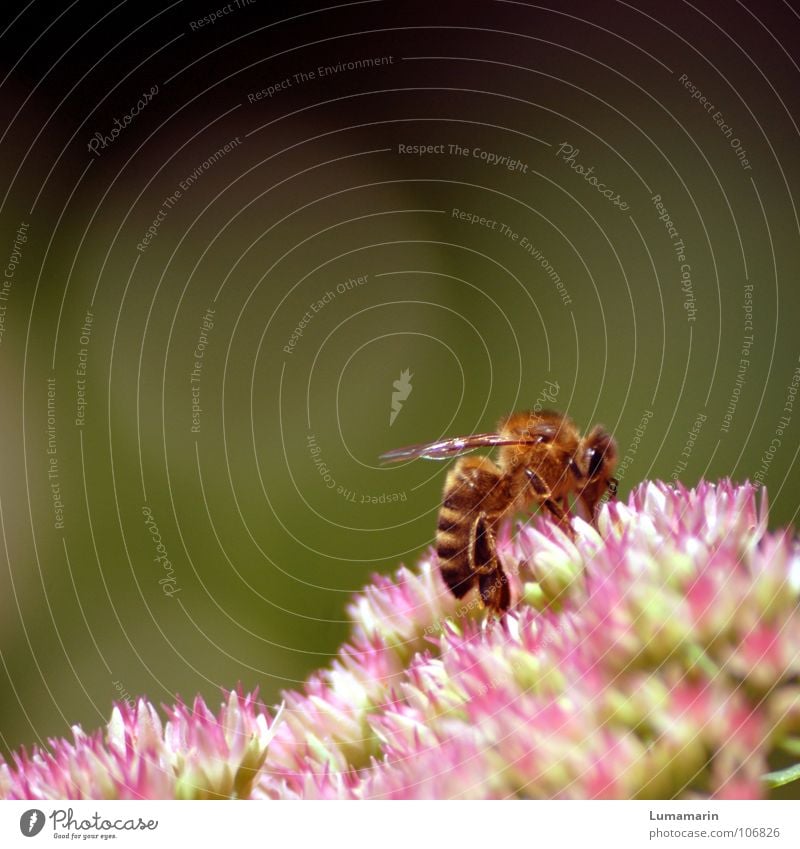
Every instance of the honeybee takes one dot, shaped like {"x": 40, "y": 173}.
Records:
{"x": 542, "y": 459}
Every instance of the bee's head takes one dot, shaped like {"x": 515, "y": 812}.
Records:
{"x": 599, "y": 455}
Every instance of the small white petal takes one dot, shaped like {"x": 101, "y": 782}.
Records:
{"x": 116, "y": 730}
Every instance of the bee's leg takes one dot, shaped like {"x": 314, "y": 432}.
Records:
{"x": 543, "y": 497}
{"x": 561, "y": 516}
{"x": 494, "y": 591}
{"x": 485, "y": 563}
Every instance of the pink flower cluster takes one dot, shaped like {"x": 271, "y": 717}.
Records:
{"x": 655, "y": 657}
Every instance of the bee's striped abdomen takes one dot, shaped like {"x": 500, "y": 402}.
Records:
{"x": 452, "y": 548}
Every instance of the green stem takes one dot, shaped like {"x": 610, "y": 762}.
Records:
{"x": 782, "y": 776}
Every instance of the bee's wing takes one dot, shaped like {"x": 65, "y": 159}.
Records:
{"x": 447, "y": 448}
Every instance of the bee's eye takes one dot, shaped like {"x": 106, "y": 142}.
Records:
{"x": 595, "y": 462}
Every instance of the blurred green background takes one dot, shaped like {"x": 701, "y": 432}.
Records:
{"x": 274, "y": 510}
